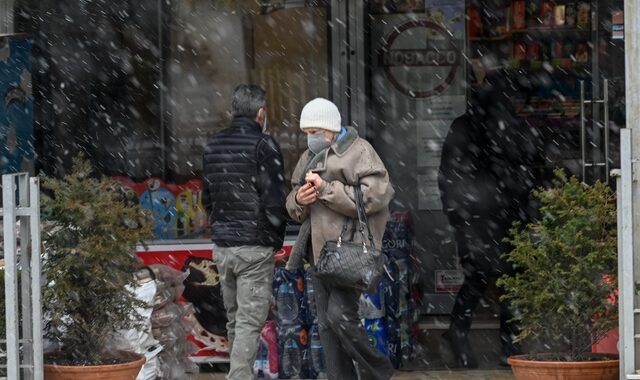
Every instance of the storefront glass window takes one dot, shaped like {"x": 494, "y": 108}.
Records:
{"x": 139, "y": 86}
{"x": 216, "y": 47}
{"x": 427, "y": 62}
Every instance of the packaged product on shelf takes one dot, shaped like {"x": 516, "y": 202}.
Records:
{"x": 584, "y": 14}
{"x": 557, "y": 48}
{"x": 501, "y": 22}
{"x": 533, "y": 13}
{"x": 520, "y": 50}
{"x": 474, "y": 22}
{"x": 569, "y": 48}
{"x": 582, "y": 52}
{"x": 570, "y": 14}
{"x": 533, "y": 51}
{"x": 559, "y": 12}
{"x": 545, "y": 50}
{"x": 518, "y": 15}
{"x": 546, "y": 13}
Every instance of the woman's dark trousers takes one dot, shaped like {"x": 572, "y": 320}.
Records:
{"x": 343, "y": 337}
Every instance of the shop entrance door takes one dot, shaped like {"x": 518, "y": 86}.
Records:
{"x": 408, "y": 78}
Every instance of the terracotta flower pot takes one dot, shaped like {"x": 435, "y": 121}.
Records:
{"x": 526, "y": 369}
{"x": 124, "y": 371}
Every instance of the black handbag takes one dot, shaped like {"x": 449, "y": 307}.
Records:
{"x": 346, "y": 263}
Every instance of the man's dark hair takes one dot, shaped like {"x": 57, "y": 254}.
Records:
{"x": 247, "y": 100}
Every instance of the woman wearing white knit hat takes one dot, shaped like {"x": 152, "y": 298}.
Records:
{"x": 322, "y": 199}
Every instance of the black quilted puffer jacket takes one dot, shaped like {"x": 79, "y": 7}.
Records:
{"x": 244, "y": 187}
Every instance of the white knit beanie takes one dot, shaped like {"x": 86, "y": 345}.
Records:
{"x": 321, "y": 113}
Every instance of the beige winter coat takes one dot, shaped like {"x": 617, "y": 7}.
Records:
{"x": 346, "y": 163}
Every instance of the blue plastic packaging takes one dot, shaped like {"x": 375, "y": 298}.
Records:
{"x": 314, "y": 355}
{"x": 288, "y": 288}
{"x": 309, "y": 300}
{"x": 292, "y": 344}
{"x": 377, "y": 332}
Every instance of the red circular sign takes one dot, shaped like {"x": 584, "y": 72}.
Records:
{"x": 443, "y": 56}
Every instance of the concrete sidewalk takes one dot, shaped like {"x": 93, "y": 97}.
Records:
{"x": 505, "y": 374}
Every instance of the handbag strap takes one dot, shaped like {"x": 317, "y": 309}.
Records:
{"x": 362, "y": 218}
{"x": 362, "y": 221}
{"x": 344, "y": 229}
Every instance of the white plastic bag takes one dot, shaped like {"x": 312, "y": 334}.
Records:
{"x": 138, "y": 340}
{"x": 150, "y": 369}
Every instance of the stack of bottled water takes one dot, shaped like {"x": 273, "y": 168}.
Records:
{"x": 300, "y": 351}
{"x": 288, "y": 291}
{"x": 314, "y": 357}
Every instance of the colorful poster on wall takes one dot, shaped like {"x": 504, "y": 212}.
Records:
{"x": 176, "y": 210}
{"x": 16, "y": 109}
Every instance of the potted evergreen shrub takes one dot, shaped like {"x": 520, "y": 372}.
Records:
{"x": 566, "y": 263}
{"x": 89, "y": 262}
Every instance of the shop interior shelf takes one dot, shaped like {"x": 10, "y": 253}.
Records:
{"x": 537, "y": 32}
{"x": 562, "y": 63}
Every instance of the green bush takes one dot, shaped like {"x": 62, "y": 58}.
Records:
{"x": 89, "y": 242}
{"x": 566, "y": 264}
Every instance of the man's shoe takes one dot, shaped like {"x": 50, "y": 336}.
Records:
{"x": 509, "y": 348}
{"x": 461, "y": 349}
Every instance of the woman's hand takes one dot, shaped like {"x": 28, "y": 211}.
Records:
{"x": 307, "y": 194}
{"x": 314, "y": 179}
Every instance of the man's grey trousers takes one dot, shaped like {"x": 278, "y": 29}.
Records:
{"x": 246, "y": 275}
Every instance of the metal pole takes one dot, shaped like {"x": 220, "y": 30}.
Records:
{"x": 632, "y": 100}
{"x": 11, "y": 275}
{"x": 26, "y": 274}
{"x": 622, "y": 340}
{"x": 605, "y": 105}
{"x": 36, "y": 298}
{"x": 625, "y": 259}
{"x": 583, "y": 133}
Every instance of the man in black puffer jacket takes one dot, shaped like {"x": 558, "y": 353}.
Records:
{"x": 244, "y": 195}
